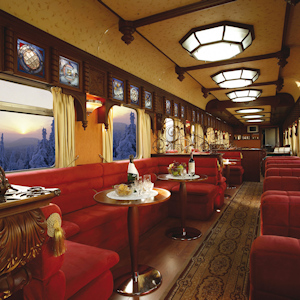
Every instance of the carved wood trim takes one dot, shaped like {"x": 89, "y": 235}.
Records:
{"x": 22, "y": 236}
{"x": 9, "y": 50}
{"x": 1, "y": 48}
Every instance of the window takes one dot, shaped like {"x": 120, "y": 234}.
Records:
{"x": 27, "y": 138}
{"x": 124, "y": 132}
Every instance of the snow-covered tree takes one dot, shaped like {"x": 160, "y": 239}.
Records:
{"x": 40, "y": 158}
{"x": 52, "y": 145}
{"x": 127, "y": 144}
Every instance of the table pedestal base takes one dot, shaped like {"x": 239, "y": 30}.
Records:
{"x": 147, "y": 280}
{"x": 231, "y": 187}
{"x": 183, "y": 234}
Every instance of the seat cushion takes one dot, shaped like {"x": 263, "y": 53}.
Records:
{"x": 83, "y": 263}
{"x": 198, "y": 192}
{"x": 93, "y": 216}
{"x": 70, "y": 228}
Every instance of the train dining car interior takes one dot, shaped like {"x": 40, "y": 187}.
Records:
{"x": 149, "y": 149}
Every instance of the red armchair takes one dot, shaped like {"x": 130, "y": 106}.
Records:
{"x": 237, "y": 170}
{"x": 274, "y": 268}
{"x": 83, "y": 272}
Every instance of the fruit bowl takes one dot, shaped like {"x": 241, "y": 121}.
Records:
{"x": 176, "y": 169}
{"x": 123, "y": 189}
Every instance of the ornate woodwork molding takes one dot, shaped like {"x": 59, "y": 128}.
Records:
{"x": 129, "y": 27}
{"x": 279, "y": 85}
{"x": 9, "y": 50}
{"x": 22, "y": 236}
{"x": 281, "y": 55}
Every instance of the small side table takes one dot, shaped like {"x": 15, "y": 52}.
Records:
{"x": 183, "y": 233}
{"x": 142, "y": 279}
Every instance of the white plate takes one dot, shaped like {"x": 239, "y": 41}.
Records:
{"x": 170, "y": 176}
{"x": 133, "y": 196}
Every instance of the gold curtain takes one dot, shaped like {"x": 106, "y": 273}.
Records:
{"x": 144, "y": 134}
{"x": 107, "y": 138}
{"x": 64, "y": 121}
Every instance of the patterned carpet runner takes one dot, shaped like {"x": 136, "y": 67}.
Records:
{"x": 220, "y": 267}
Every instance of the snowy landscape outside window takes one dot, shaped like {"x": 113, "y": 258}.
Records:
{"x": 124, "y": 132}
{"x": 27, "y": 138}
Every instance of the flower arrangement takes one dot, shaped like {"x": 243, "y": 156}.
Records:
{"x": 176, "y": 168}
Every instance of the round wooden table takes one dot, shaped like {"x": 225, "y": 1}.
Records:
{"x": 183, "y": 233}
{"x": 142, "y": 279}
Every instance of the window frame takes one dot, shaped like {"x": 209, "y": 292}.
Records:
{"x": 26, "y": 109}
{"x": 136, "y": 109}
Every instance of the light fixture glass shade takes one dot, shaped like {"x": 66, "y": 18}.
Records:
{"x": 249, "y": 110}
{"x": 93, "y": 102}
{"x": 252, "y": 116}
{"x": 218, "y": 41}
{"x": 254, "y": 120}
{"x": 244, "y": 95}
{"x": 235, "y": 78}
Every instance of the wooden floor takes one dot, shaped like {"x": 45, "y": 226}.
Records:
{"x": 166, "y": 255}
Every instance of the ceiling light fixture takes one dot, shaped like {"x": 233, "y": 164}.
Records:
{"x": 252, "y": 116}
{"x": 236, "y": 78}
{"x": 255, "y": 121}
{"x": 218, "y": 41}
{"x": 249, "y": 110}
{"x": 244, "y": 95}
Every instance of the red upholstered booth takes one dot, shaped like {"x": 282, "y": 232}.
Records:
{"x": 237, "y": 170}
{"x": 283, "y": 172}
{"x": 91, "y": 227}
{"x": 274, "y": 268}
{"x": 83, "y": 272}
{"x": 275, "y": 255}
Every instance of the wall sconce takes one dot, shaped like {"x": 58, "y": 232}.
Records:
{"x": 244, "y": 95}
{"x": 218, "y": 41}
{"x": 235, "y": 78}
{"x": 93, "y": 102}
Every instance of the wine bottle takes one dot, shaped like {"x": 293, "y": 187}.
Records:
{"x": 132, "y": 172}
{"x": 191, "y": 165}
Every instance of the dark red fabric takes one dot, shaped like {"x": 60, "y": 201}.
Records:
{"x": 98, "y": 289}
{"x": 53, "y": 288}
{"x": 283, "y": 183}
{"x": 200, "y": 201}
{"x": 83, "y": 264}
{"x": 70, "y": 228}
{"x": 274, "y": 268}
{"x": 282, "y": 172}
{"x": 280, "y": 215}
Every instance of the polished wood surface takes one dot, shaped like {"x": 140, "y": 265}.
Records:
{"x": 169, "y": 256}
{"x": 163, "y": 195}
{"x": 10, "y": 206}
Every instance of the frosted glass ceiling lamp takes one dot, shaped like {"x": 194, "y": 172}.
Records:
{"x": 249, "y": 110}
{"x": 252, "y": 116}
{"x": 244, "y": 95}
{"x": 255, "y": 121}
{"x": 218, "y": 41}
{"x": 93, "y": 102}
{"x": 236, "y": 78}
